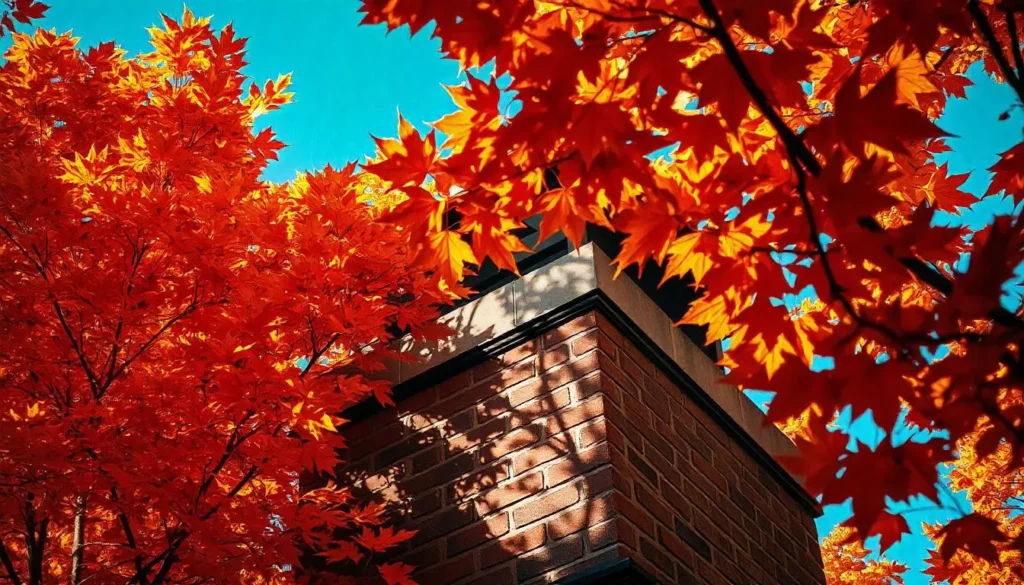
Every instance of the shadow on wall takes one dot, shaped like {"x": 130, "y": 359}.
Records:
{"x": 503, "y": 470}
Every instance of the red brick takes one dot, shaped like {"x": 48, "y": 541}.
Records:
{"x": 426, "y": 459}
{"x": 511, "y": 374}
{"x": 478, "y": 482}
{"x": 665, "y": 431}
{"x": 512, "y": 546}
{"x": 444, "y": 574}
{"x": 485, "y": 390}
{"x": 654, "y": 504}
{"x": 567, "y": 330}
{"x": 709, "y": 529}
{"x": 640, "y": 518}
{"x": 527, "y": 391}
{"x": 625, "y": 345}
{"x": 406, "y": 447}
{"x": 549, "y": 558}
{"x": 657, "y": 556}
{"x": 570, "y": 417}
{"x": 510, "y": 493}
{"x": 458, "y": 423}
{"x": 530, "y": 411}
{"x": 577, "y": 464}
{"x": 377, "y": 481}
{"x": 615, "y": 436}
{"x": 644, "y": 468}
{"x": 553, "y": 448}
{"x": 591, "y": 512}
{"x": 419, "y": 401}
{"x": 666, "y": 467}
{"x": 657, "y": 399}
{"x": 443, "y": 473}
{"x": 546, "y": 504}
{"x": 423, "y": 557}
{"x": 675, "y": 499}
{"x": 425, "y": 503}
{"x": 386, "y": 435}
{"x": 593, "y": 561}
{"x": 676, "y": 547}
{"x": 477, "y": 534}
{"x": 430, "y": 528}
{"x": 589, "y": 386}
{"x": 566, "y": 373}
{"x": 516, "y": 354}
{"x": 632, "y": 376}
{"x": 592, "y": 339}
{"x": 707, "y": 469}
{"x": 454, "y": 384}
{"x": 598, "y": 482}
{"x": 625, "y": 532}
{"x": 508, "y": 444}
{"x": 622, "y": 482}
{"x": 474, "y": 437}
{"x": 603, "y": 534}
{"x": 554, "y": 357}
{"x": 652, "y": 440}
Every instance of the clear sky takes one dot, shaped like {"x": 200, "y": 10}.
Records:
{"x": 349, "y": 81}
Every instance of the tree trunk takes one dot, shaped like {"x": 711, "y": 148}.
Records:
{"x": 78, "y": 544}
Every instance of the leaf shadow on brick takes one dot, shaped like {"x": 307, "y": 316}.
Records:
{"x": 502, "y": 470}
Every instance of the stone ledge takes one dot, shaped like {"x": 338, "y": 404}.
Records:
{"x": 555, "y": 286}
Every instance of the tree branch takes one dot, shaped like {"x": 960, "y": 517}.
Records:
{"x": 78, "y": 542}
{"x": 1011, "y": 28}
{"x": 796, "y": 147}
{"x": 129, "y": 536}
{"x": 985, "y": 28}
{"x": 8, "y": 564}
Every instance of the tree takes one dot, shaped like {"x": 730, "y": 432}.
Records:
{"x": 179, "y": 336}
{"x": 846, "y": 561}
{"x": 995, "y": 489}
{"x": 764, "y": 150}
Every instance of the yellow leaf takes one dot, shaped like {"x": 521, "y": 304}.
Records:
{"x": 449, "y": 254}
{"x": 684, "y": 256}
{"x": 912, "y": 74}
{"x": 203, "y": 183}
{"x": 327, "y": 423}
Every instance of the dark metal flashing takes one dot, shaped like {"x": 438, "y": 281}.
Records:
{"x": 618, "y": 572}
{"x": 596, "y": 300}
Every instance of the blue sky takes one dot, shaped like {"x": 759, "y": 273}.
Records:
{"x": 349, "y": 81}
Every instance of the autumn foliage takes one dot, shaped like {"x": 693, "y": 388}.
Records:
{"x": 179, "y": 336}
{"x": 763, "y": 148}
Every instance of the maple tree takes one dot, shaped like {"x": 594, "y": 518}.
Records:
{"x": 846, "y": 561}
{"x": 995, "y": 536}
{"x": 179, "y": 336}
{"x": 765, "y": 148}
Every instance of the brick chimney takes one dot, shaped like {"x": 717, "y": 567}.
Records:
{"x": 570, "y": 434}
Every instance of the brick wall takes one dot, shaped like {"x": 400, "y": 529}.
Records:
{"x": 570, "y": 451}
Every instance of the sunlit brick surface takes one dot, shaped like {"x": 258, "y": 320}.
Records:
{"x": 566, "y": 453}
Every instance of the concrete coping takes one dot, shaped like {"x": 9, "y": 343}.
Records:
{"x": 554, "y": 285}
